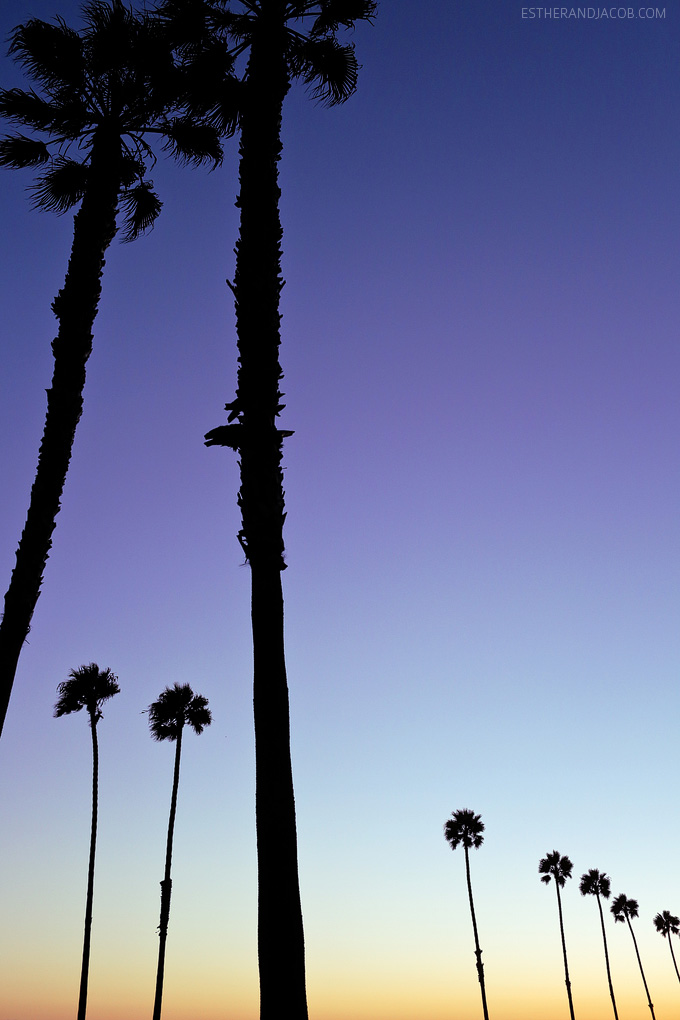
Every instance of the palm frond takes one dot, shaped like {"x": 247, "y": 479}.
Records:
{"x": 19, "y": 152}
{"x": 28, "y": 108}
{"x": 51, "y": 54}
{"x": 194, "y": 143}
{"x": 141, "y": 208}
{"x": 336, "y": 13}
{"x": 87, "y": 687}
{"x": 176, "y": 707}
{"x": 62, "y": 186}
{"x": 328, "y": 68}
{"x": 466, "y": 828}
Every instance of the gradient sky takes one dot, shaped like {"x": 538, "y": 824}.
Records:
{"x": 480, "y": 346}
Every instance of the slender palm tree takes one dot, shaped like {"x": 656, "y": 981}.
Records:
{"x": 596, "y": 883}
{"x": 466, "y": 828}
{"x": 623, "y": 909}
{"x": 668, "y": 924}
{"x": 176, "y": 708}
{"x": 285, "y": 40}
{"x": 88, "y": 687}
{"x": 101, "y": 93}
{"x": 559, "y": 868}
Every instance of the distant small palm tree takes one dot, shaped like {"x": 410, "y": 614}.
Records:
{"x": 88, "y": 687}
{"x": 623, "y": 909}
{"x": 596, "y": 883}
{"x": 466, "y": 828}
{"x": 559, "y": 868}
{"x": 668, "y": 924}
{"x": 176, "y": 708}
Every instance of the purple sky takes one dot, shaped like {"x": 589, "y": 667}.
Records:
{"x": 480, "y": 347}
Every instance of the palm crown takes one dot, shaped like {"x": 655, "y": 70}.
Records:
{"x": 87, "y": 687}
{"x": 114, "y": 80}
{"x": 464, "y": 828}
{"x": 622, "y": 908}
{"x": 667, "y": 924}
{"x": 595, "y": 883}
{"x": 555, "y": 866}
{"x": 177, "y": 707}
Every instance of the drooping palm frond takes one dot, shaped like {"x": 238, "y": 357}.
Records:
{"x": 329, "y": 69}
{"x": 51, "y": 54}
{"x": 19, "y": 152}
{"x": 191, "y": 142}
{"x": 141, "y": 208}
{"x": 87, "y": 687}
{"x": 62, "y": 186}
{"x": 333, "y": 14}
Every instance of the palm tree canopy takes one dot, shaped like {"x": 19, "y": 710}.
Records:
{"x": 87, "y": 687}
{"x": 116, "y": 78}
{"x": 667, "y": 923}
{"x": 176, "y": 707}
{"x": 466, "y": 828}
{"x": 623, "y": 909}
{"x": 555, "y": 866}
{"x": 595, "y": 883}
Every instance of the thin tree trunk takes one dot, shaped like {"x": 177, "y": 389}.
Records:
{"x": 85, "y": 967}
{"x": 257, "y": 287}
{"x": 166, "y": 885}
{"x": 670, "y": 946}
{"x": 564, "y": 953}
{"x": 644, "y": 980}
{"x": 75, "y": 307}
{"x": 478, "y": 951}
{"x": 606, "y": 957}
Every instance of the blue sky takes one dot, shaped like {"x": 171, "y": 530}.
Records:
{"x": 481, "y": 362}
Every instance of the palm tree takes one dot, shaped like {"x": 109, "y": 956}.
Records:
{"x": 176, "y": 708}
{"x": 286, "y": 40}
{"x": 100, "y": 93}
{"x": 623, "y": 909}
{"x": 466, "y": 828}
{"x": 559, "y": 868}
{"x": 668, "y": 924}
{"x": 596, "y": 883}
{"x": 88, "y": 687}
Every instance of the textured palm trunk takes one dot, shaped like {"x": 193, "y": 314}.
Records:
{"x": 606, "y": 957}
{"x": 166, "y": 885}
{"x": 75, "y": 308}
{"x": 85, "y": 966}
{"x": 564, "y": 952}
{"x": 478, "y": 951}
{"x": 644, "y": 980}
{"x": 257, "y": 287}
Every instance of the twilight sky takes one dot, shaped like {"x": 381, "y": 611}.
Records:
{"x": 480, "y": 347}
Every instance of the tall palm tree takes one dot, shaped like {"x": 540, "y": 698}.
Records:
{"x": 88, "y": 687}
{"x": 101, "y": 93}
{"x": 466, "y": 828}
{"x": 559, "y": 868}
{"x": 596, "y": 883}
{"x": 623, "y": 909}
{"x": 286, "y": 40}
{"x": 668, "y": 924}
{"x": 175, "y": 708}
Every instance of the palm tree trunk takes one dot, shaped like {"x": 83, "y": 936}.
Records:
{"x": 166, "y": 885}
{"x": 85, "y": 967}
{"x": 644, "y": 980}
{"x": 257, "y": 287}
{"x": 75, "y": 307}
{"x": 564, "y": 953}
{"x": 478, "y": 951}
{"x": 670, "y": 946}
{"x": 606, "y": 957}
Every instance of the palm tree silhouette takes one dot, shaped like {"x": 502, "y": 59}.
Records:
{"x": 88, "y": 687}
{"x": 100, "y": 92}
{"x": 596, "y": 883}
{"x": 287, "y": 40}
{"x": 559, "y": 868}
{"x": 668, "y": 924}
{"x": 175, "y": 708}
{"x": 623, "y": 909}
{"x": 466, "y": 828}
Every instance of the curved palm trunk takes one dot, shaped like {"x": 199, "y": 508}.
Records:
{"x": 257, "y": 287}
{"x": 85, "y": 966}
{"x": 166, "y": 885}
{"x": 564, "y": 953}
{"x": 637, "y": 953}
{"x": 670, "y": 946}
{"x": 606, "y": 957}
{"x": 75, "y": 307}
{"x": 478, "y": 951}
